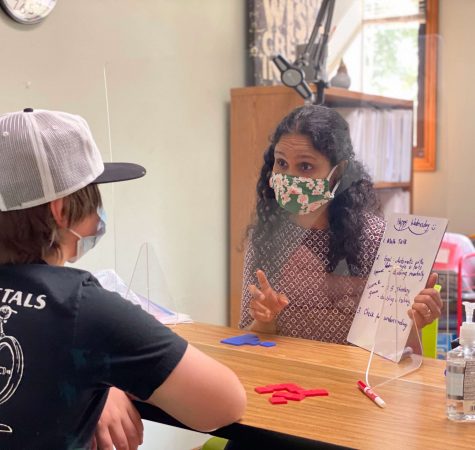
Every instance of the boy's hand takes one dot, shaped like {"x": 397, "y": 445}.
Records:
{"x": 120, "y": 425}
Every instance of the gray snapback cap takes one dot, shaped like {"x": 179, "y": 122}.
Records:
{"x": 46, "y": 155}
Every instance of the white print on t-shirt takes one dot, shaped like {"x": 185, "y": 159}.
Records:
{"x": 11, "y": 363}
{"x": 20, "y": 298}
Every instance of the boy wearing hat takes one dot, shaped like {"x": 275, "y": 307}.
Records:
{"x": 64, "y": 340}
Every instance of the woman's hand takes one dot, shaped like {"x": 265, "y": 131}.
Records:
{"x": 120, "y": 425}
{"x": 427, "y": 305}
{"x": 266, "y": 303}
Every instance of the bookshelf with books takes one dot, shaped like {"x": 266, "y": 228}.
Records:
{"x": 379, "y": 126}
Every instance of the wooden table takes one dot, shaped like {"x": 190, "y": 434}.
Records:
{"x": 414, "y": 417}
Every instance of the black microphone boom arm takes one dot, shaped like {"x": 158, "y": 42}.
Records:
{"x": 293, "y": 76}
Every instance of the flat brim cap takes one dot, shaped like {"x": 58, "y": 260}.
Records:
{"x": 119, "y": 171}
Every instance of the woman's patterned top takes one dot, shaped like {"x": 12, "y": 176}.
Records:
{"x": 321, "y": 304}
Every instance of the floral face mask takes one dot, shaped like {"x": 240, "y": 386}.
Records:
{"x": 301, "y": 195}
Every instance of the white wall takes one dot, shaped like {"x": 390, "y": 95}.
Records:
{"x": 449, "y": 191}
{"x": 170, "y": 65}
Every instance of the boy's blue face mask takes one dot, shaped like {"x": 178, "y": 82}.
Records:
{"x": 86, "y": 243}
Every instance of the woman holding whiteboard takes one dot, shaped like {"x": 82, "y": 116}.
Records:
{"x": 316, "y": 234}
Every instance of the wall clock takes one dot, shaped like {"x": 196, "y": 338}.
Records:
{"x": 28, "y": 11}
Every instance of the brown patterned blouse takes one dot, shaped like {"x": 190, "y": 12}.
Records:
{"x": 321, "y": 304}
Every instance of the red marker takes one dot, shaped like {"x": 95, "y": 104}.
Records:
{"x": 371, "y": 394}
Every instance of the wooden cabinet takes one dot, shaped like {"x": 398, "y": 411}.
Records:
{"x": 255, "y": 112}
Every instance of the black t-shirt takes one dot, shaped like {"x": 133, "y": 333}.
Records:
{"x": 65, "y": 341}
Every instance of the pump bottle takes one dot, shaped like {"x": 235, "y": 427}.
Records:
{"x": 460, "y": 373}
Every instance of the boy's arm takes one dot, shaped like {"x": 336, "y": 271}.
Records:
{"x": 201, "y": 393}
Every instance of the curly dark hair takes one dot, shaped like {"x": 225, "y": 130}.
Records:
{"x": 329, "y": 134}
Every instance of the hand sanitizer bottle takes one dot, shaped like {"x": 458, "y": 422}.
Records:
{"x": 460, "y": 374}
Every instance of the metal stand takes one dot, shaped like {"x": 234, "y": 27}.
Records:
{"x": 316, "y": 51}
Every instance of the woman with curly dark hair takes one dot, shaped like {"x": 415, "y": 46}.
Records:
{"x": 316, "y": 234}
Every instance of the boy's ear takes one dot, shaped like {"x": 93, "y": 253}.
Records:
{"x": 56, "y": 207}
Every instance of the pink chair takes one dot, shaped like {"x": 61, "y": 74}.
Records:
{"x": 465, "y": 284}
{"x": 455, "y": 282}
{"x": 452, "y": 248}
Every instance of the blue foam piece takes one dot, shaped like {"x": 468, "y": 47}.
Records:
{"x": 249, "y": 339}
{"x": 246, "y": 339}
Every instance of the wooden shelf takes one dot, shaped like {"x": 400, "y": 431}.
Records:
{"x": 392, "y": 185}
{"x": 333, "y": 97}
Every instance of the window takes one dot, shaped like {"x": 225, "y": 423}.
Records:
{"x": 384, "y": 58}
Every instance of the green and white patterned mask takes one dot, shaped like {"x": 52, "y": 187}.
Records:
{"x": 301, "y": 195}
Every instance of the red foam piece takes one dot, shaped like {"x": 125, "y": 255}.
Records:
{"x": 263, "y": 390}
{"x": 289, "y": 396}
{"x": 313, "y": 392}
{"x": 283, "y": 388}
{"x": 279, "y": 394}
{"x": 295, "y": 388}
{"x": 277, "y": 387}
{"x": 278, "y": 400}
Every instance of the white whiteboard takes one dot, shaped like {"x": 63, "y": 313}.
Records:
{"x": 400, "y": 271}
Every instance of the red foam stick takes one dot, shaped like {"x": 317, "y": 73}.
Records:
{"x": 291, "y": 387}
{"x": 278, "y": 400}
{"x": 263, "y": 390}
{"x": 295, "y": 388}
{"x": 277, "y": 387}
{"x": 289, "y": 396}
{"x": 313, "y": 392}
{"x": 279, "y": 394}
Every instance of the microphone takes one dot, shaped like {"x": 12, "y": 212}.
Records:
{"x": 293, "y": 77}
